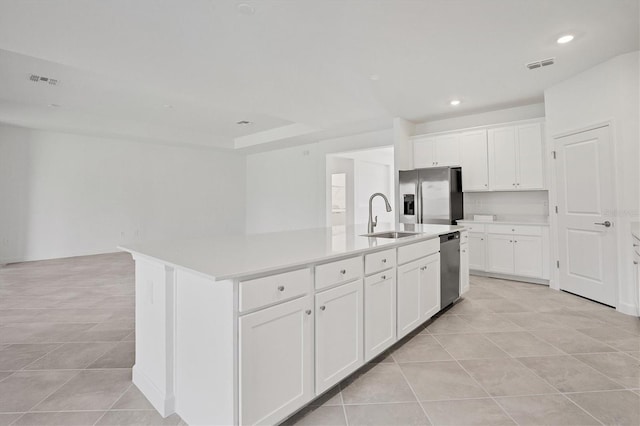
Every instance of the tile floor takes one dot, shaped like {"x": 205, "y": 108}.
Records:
{"x": 509, "y": 353}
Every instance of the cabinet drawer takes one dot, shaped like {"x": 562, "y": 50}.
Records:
{"x": 274, "y": 288}
{"x": 475, "y": 227}
{"x": 415, "y": 251}
{"x": 379, "y": 261}
{"x": 527, "y": 230}
{"x": 338, "y": 272}
{"x": 515, "y": 229}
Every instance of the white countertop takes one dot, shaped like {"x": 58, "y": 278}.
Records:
{"x": 227, "y": 257}
{"x": 635, "y": 229}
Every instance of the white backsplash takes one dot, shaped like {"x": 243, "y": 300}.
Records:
{"x": 507, "y": 205}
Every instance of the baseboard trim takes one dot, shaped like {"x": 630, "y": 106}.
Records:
{"x": 163, "y": 404}
{"x": 628, "y": 309}
{"x": 509, "y": 277}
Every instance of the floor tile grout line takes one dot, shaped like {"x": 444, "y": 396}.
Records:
{"x": 114, "y": 403}
{"x": 583, "y": 409}
{"x": 415, "y": 395}
{"x": 554, "y": 387}
{"x": 47, "y": 396}
{"x": 480, "y": 385}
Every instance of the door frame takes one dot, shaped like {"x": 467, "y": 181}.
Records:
{"x": 552, "y": 185}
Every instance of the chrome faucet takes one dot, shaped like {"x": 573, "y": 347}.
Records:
{"x": 373, "y": 222}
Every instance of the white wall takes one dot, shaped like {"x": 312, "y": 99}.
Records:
{"x": 369, "y": 179}
{"x": 508, "y": 205}
{"x": 286, "y": 188}
{"x": 67, "y": 195}
{"x": 607, "y": 92}
{"x": 482, "y": 119}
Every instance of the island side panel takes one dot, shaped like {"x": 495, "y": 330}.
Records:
{"x": 153, "y": 370}
{"x": 205, "y": 350}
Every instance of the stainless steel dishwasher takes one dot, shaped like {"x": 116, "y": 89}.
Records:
{"x": 449, "y": 268}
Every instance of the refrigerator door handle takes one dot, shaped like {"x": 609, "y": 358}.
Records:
{"x": 419, "y": 201}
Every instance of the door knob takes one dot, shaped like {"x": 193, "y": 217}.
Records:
{"x": 606, "y": 223}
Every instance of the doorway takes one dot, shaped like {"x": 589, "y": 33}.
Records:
{"x": 352, "y": 177}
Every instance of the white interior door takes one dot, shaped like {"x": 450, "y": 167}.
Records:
{"x": 587, "y": 240}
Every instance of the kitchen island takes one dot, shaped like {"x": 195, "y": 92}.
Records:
{"x": 249, "y": 329}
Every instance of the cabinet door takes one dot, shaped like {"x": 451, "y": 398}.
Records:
{"x": 276, "y": 361}
{"x": 464, "y": 268}
{"x": 527, "y": 256}
{"x": 530, "y": 158}
{"x": 424, "y": 152}
{"x": 500, "y": 253}
{"x": 429, "y": 287}
{"x": 447, "y": 150}
{"x": 339, "y": 334}
{"x": 379, "y": 313}
{"x": 477, "y": 252}
{"x": 502, "y": 159}
{"x": 474, "y": 153}
{"x": 408, "y": 297}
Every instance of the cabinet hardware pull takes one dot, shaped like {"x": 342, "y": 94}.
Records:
{"x": 308, "y": 312}
{"x": 343, "y": 271}
{"x": 636, "y": 245}
{"x": 384, "y": 277}
{"x": 635, "y": 262}
{"x": 510, "y": 241}
{"x": 322, "y": 308}
{"x": 384, "y": 260}
{"x": 515, "y": 241}
{"x": 280, "y": 288}
{"x": 464, "y": 251}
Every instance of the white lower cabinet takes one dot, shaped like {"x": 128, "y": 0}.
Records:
{"x": 430, "y": 287}
{"x": 339, "y": 333}
{"x": 519, "y": 255}
{"x": 477, "y": 252}
{"x": 408, "y": 297}
{"x": 464, "y": 268}
{"x": 500, "y": 253}
{"x": 276, "y": 361}
{"x": 527, "y": 254}
{"x": 418, "y": 292}
{"x": 379, "y": 313}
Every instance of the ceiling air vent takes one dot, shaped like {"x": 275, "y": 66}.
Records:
{"x": 541, "y": 63}
{"x": 41, "y": 79}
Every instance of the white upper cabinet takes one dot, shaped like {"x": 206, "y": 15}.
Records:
{"x": 530, "y": 159}
{"x": 474, "y": 161}
{"x": 424, "y": 152}
{"x": 436, "y": 151}
{"x": 502, "y": 159}
{"x": 516, "y": 160}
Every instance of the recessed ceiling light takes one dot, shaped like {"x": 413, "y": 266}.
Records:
{"x": 374, "y": 77}
{"x": 455, "y": 102}
{"x": 53, "y": 106}
{"x": 243, "y": 123}
{"x": 565, "y": 39}
{"x": 245, "y": 9}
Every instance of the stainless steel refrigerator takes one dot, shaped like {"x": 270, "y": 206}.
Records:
{"x": 432, "y": 195}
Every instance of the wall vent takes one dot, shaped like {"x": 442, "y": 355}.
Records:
{"x": 41, "y": 79}
{"x": 541, "y": 63}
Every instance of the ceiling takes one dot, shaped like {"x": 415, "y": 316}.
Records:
{"x": 187, "y": 71}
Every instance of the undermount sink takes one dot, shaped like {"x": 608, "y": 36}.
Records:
{"x": 391, "y": 234}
